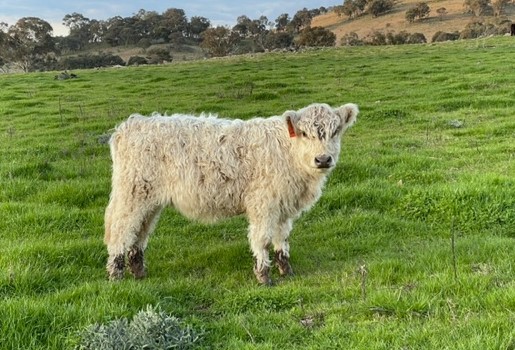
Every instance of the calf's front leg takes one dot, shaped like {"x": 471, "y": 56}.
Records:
{"x": 282, "y": 248}
{"x": 259, "y": 239}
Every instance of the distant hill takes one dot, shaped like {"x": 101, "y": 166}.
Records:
{"x": 455, "y": 20}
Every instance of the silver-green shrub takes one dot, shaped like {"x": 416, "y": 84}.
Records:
{"x": 149, "y": 329}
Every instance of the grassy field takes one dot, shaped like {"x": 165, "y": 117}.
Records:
{"x": 412, "y": 245}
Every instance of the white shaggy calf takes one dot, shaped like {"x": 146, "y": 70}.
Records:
{"x": 209, "y": 168}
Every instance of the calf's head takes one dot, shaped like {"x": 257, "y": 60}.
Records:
{"x": 317, "y": 130}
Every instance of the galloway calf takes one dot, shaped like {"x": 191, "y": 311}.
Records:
{"x": 270, "y": 169}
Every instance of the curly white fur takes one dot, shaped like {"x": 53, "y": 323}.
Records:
{"x": 210, "y": 168}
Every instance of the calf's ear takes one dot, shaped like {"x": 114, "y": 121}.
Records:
{"x": 348, "y": 113}
{"x": 291, "y": 118}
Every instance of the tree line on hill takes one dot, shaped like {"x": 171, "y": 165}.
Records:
{"x": 30, "y": 45}
{"x": 357, "y": 8}
{"x": 472, "y": 30}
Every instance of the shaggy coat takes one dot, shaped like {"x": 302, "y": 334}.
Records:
{"x": 208, "y": 168}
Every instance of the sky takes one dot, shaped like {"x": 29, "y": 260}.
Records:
{"x": 219, "y": 12}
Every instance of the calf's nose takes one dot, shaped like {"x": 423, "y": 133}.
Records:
{"x": 323, "y": 161}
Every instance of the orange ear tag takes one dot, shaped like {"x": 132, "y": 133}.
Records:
{"x": 291, "y": 130}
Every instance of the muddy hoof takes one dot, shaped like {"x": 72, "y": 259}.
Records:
{"x": 263, "y": 276}
{"x": 136, "y": 263}
{"x": 283, "y": 264}
{"x": 115, "y": 268}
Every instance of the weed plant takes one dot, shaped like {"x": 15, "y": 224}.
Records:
{"x": 410, "y": 247}
{"x": 150, "y": 329}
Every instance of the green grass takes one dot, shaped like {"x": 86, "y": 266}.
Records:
{"x": 432, "y": 156}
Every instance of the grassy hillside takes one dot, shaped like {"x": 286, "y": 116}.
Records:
{"x": 431, "y": 158}
{"x": 455, "y": 20}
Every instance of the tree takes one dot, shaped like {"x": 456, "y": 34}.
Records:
{"x": 423, "y": 10}
{"x": 97, "y": 30}
{"x": 260, "y": 29}
{"x": 353, "y": 8}
{"x": 219, "y": 41}
{"x": 411, "y": 15}
{"x": 3, "y": 34}
{"x": 29, "y": 42}
{"x": 400, "y": 38}
{"x": 379, "y": 7}
{"x": 242, "y": 27}
{"x": 476, "y": 7}
{"x": 420, "y": 11}
{"x": 75, "y": 21}
{"x": 416, "y": 38}
{"x": 122, "y": 31}
{"x": 443, "y": 36}
{"x": 351, "y": 39}
{"x": 248, "y": 28}
{"x": 281, "y": 22}
{"x": 174, "y": 21}
{"x": 176, "y": 18}
{"x": 86, "y": 61}
{"x": 302, "y": 19}
{"x": 159, "y": 55}
{"x": 442, "y": 11}
{"x": 473, "y": 30}
{"x": 478, "y": 28}
{"x": 316, "y": 36}
{"x": 146, "y": 23}
{"x": 376, "y": 38}
{"x": 278, "y": 40}
{"x": 252, "y": 33}
{"x": 79, "y": 27}
{"x": 349, "y": 8}
{"x": 264, "y": 23}
{"x": 3, "y": 43}
{"x": 197, "y": 26}
{"x": 498, "y": 6}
